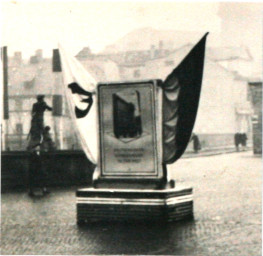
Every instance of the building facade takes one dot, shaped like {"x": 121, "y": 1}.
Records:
{"x": 27, "y": 79}
{"x": 224, "y": 109}
{"x": 256, "y": 95}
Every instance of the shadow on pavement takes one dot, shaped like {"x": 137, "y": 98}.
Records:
{"x": 139, "y": 237}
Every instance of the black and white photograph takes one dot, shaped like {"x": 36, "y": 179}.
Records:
{"x": 131, "y": 127}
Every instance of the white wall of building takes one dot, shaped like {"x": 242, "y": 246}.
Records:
{"x": 102, "y": 70}
{"x": 220, "y": 95}
{"x": 216, "y": 114}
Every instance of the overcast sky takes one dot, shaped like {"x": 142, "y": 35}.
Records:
{"x": 27, "y": 26}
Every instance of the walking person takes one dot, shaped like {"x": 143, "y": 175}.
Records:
{"x": 36, "y": 176}
{"x": 196, "y": 143}
{"x": 244, "y": 141}
{"x": 237, "y": 141}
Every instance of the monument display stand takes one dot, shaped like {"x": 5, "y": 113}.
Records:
{"x": 130, "y": 182}
{"x": 134, "y": 204}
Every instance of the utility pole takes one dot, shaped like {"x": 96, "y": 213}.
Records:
{"x": 4, "y": 127}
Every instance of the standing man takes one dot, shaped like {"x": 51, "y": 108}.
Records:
{"x": 196, "y": 143}
{"x": 243, "y": 141}
{"x": 37, "y": 122}
{"x": 36, "y": 172}
{"x": 237, "y": 140}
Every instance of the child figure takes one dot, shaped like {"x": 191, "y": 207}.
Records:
{"x": 47, "y": 143}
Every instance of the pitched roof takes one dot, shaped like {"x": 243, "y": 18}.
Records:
{"x": 229, "y": 53}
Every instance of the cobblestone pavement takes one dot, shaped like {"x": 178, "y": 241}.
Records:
{"x": 227, "y": 206}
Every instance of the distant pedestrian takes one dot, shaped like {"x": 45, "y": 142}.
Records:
{"x": 240, "y": 139}
{"x": 37, "y": 123}
{"x": 237, "y": 140}
{"x": 196, "y": 143}
{"x": 243, "y": 140}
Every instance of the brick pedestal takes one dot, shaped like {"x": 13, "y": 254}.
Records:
{"x": 171, "y": 204}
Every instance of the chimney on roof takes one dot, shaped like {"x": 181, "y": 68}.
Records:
{"x": 33, "y": 60}
{"x": 18, "y": 57}
{"x": 39, "y": 55}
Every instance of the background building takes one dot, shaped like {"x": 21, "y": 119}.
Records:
{"x": 27, "y": 79}
{"x": 256, "y": 95}
{"x": 225, "y": 104}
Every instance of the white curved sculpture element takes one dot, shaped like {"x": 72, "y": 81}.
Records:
{"x": 86, "y": 127}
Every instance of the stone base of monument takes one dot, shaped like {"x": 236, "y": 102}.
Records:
{"x": 171, "y": 204}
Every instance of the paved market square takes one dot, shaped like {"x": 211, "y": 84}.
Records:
{"x": 227, "y": 210}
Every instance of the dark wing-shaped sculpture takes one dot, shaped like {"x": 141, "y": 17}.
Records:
{"x": 181, "y": 93}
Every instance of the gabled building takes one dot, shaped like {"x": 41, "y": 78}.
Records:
{"x": 225, "y": 106}
{"x": 26, "y": 81}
